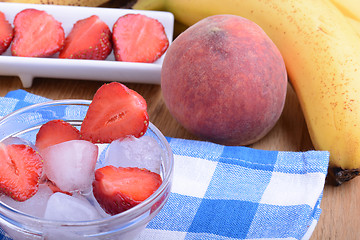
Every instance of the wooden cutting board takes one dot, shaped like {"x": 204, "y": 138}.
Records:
{"x": 340, "y": 205}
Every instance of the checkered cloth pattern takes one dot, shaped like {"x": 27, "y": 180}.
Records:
{"x": 223, "y": 192}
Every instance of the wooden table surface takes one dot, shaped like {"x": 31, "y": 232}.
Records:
{"x": 340, "y": 205}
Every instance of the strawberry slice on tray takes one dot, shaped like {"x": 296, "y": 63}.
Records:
{"x": 20, "y": 171}
{"x": 6, "y": 33}
{"x": 119, "y": 189}
{"x": 36, "y": 34}
{"x": 139, "y": 38}
{"x": 114, "y": 113}
{"x": 90, "y": 38}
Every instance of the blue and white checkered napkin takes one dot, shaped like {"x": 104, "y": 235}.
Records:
{"x": 222, "y": 192}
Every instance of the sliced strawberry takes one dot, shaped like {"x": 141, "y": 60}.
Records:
{"x": 138, "y": 38}
{"x": 55, "y": 188}
{"x": 54, "y": 132}
{"x": 37, "y": 34}
{"x": 115, "y": 112}
{"x": 119, "y": 189}
{"x": 6, "y": 33}
{"x": 90, "y": 38}
{"x": 20, "y": 171}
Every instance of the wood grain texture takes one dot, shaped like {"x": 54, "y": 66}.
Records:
{"x": 340, "y": 205}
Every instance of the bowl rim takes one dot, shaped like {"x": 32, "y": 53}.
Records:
{"x": 134, "y": 211}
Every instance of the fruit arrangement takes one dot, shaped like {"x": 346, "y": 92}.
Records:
{"x": 64, "y": 158}
{"x": 319, "y": 42}
{"x": 322, "y": 75}
{"x": 37, "y": 33}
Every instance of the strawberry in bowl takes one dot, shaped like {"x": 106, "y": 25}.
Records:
{"x": 76, "y": 182}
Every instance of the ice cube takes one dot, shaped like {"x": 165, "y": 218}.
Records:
{"x": 64, "y": 207}
{"x": 92, "y": 200}
{"x": 102, "y": 152}
{"x": 35, "y": 205}
{"x": 17, "y": 140}
{"x": 70, "y": 165}
{"x": 143, "y": 152}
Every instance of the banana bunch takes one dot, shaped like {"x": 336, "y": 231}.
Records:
{"x": 88, "y": 3}
{"x": 351, "y": 11}
{"x": 320, "y": 44}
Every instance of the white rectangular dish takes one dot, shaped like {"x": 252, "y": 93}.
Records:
{"x": 27, "y": 68}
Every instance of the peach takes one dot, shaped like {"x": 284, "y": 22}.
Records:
{"x": 224, "y": 80}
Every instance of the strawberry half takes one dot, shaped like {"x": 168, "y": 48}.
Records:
{"x": 54, "y": 132}
{"x": 37, "y": 34}
{"x": 90, "y": 38}
{"x": 6, "y": 33}
{"x": 119, "y": 189}
{"x": 138, "y": 38}
{"x": 115, "y": 112}
{"x": 20, "y": 171}
{"x": 55, "y": 188}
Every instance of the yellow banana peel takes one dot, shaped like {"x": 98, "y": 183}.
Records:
{"x": 158, "y": 5}
{"x": 350, "y": 8}
{"x": 355, "y": 24}
{"x": 321, "y": 52}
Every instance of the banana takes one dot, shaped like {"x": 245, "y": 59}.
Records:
{"x": 355, "y": 24}
{"x": 321, "y": 53}
{"x": 88, "y": 3}
{"x": 158, "y": 5}
{"x": 350, "y": 8}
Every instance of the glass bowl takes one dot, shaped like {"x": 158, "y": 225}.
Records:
{"x": 25, "y": 123}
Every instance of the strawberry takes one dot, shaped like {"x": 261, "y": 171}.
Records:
{"x": 138, "y": 38}
{"x": 54, "y": 132}
{"x": 37, "y": 34}
{"x": 55, "y": 188}
{"x": 20, "y": 171}
{"x": 119, "y": 189}
{"x": 90, "y": 38}
{"x": 6, "y": 33}
{"x": 115, "y": 112}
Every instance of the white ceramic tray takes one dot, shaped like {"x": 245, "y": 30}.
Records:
{"x": 27, "y": 68}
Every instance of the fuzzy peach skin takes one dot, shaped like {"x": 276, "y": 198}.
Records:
{"x": 224, "y": 80}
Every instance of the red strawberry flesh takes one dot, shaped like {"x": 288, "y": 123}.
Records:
{"x": 55, "y": 188}
{"x": 6, "y": 33}
{"x": 37, "y": 34}
{"x": 138, "y": 38}
{"x": 90, "y": 38}
{"x": 115, "y": 112}
{"x": 119, "y": 189}
{"x": 20, "y": 171}
{"x": 54, "y": 132}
